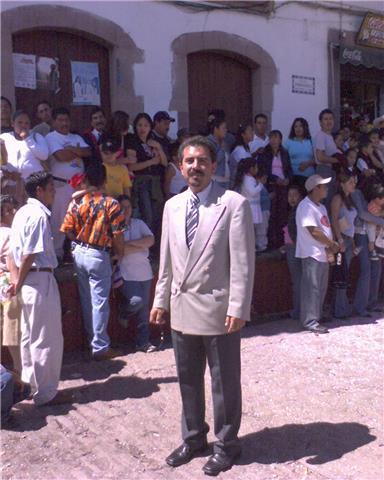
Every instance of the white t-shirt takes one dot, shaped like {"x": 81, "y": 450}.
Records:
{"x": 362, "y": 165}
{"x": 309, "y": 214}
{"x": 25, "y": 155}
{"x": 57, "y": 141}
{"x": 135, "y": 267}
{"x": 238, "y": 154}
{"x": 257, "y": 143}
{"x": 324, "y": 142}
{"x": 250, "y": 189}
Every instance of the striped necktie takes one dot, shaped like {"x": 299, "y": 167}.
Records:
{"x": 192, "y": 220}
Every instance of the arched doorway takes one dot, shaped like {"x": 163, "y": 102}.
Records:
{"x": 243, "y": 52}
{"x": 85, "y": 26}
{"x": 65, "y": 47}
{"x": 219, "y": 80}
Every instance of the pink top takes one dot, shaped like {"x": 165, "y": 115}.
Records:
{"x": 277, "y": 167}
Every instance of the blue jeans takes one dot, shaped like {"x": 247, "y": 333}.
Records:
{"x": 7, "y": 387}
{"x": 93, "y": 269}
{"x": 137, "y": 297}
{"x": 368, "y": 283}
{"x": 294, "y": 266}
{"x": 341, "y": 306}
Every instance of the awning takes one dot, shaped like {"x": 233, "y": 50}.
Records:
{"x": 369, "y": 57}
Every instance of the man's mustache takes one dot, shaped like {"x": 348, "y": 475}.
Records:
{"x": 195, "y": 172}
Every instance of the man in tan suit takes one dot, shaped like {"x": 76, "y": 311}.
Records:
{"x": 206, "y": 282}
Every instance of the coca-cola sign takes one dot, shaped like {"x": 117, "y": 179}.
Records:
{"x": 371, "y": 32}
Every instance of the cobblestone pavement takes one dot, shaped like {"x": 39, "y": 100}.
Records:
{"x": 312, "y": 410}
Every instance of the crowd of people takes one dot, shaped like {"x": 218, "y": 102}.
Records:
{"x": 96, "y": 200}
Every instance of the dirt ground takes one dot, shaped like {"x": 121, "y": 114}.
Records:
{"x": 312, "y": 409}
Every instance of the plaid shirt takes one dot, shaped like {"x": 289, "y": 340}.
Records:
{"x": 95, "y": 219}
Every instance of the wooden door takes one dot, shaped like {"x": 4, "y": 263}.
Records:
{"x": 66, "y": 47}
{"x": 216, "y": 80}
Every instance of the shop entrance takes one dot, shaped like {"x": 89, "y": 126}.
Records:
{"x": 362, "y": 89}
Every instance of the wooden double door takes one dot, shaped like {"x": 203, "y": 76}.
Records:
{"x": 219, "y": 80}
{"x": 65, "y": 47}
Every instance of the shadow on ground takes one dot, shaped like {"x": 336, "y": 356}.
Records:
{"x": 120, "y": 388}
{"x": 323, "y": 442}
{"x": 92, "y": 371}
{"x": 27, "y": 417}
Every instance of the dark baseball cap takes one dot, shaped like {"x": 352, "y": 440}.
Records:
{"x": 162, "y": 115}
{"x": 109, "y": 145}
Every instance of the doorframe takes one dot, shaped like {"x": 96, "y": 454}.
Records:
{"x": 123, "y": 52}
{"x": 264, "y": 71}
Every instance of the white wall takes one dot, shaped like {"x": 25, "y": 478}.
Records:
{"x": 296, "y": 37}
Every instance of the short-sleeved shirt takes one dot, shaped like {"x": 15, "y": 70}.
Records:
{"x": 135, "y": 267}
{"x": 31, "y": 234}
{"x": 310, "y": 214}
{"x": 257, "y": 143}
{"x": 57, "y": 141}
{"x": 94, "y": 219}
{"x": 118, "y": 180}
{"x": 324, "y": 142}
{"x": 300, "y": 151}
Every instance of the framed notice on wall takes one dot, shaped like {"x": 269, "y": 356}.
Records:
{"x": 304, "y": 85}
{"x": 85, "y": 83}
{"x": 24, "y": 70}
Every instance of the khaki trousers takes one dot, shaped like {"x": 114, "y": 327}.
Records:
{"x": 41, "y": 335}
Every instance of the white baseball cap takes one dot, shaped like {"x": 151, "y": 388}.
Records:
{"x": 315, "y": 180}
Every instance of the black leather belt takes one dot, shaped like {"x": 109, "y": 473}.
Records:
{"x": 41, "y": 269}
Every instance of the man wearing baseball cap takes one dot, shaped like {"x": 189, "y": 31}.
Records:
{"x": 161, "y": 124}
{"x": 314, "y": 237}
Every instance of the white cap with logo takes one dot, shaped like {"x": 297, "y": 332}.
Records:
{"x": 315, "y": 180}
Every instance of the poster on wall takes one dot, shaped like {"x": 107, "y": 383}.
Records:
{"x": 85, "y": 83}
{"x": 24, "y": 70}
{"x": 47, "y": 74}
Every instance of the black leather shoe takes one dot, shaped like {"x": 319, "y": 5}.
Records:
{"x": 218, "y": 463}
{"x": 184, "y": 454}
{"x": 318, "y": 329}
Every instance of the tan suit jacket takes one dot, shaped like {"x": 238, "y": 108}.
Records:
{"x": 213, "y": 279}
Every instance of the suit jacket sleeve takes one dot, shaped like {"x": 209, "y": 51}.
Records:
{"x": 242, "y": 261}
{"x": 163, "y": 286}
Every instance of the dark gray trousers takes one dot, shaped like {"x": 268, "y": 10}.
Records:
{"x": 223, "y": 355}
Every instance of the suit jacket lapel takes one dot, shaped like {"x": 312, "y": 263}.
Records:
{"x": 206, "y": 226}
{"x": 179, "y": 214}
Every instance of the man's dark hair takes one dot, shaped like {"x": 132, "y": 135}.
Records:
{"x": 60, "y": 111}
{"x": 18, "y": 113}
{"x": 96, "y": 110}
{"x": 325, "y": 112}
{"x": 217, "y": 113}
{"x": 6, "y": 100}
{"x": 197, "y": 141}
{"x": 42, "y": 102}
{"x": 96, "y": 175}
{"x": 260, "y": 115}
{"x": 37, "y": 179}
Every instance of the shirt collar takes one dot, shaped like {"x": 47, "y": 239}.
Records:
{"x": 37, "y": 203}
{"x": 96, "y": 133}
{"x": 203, "y": 195}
